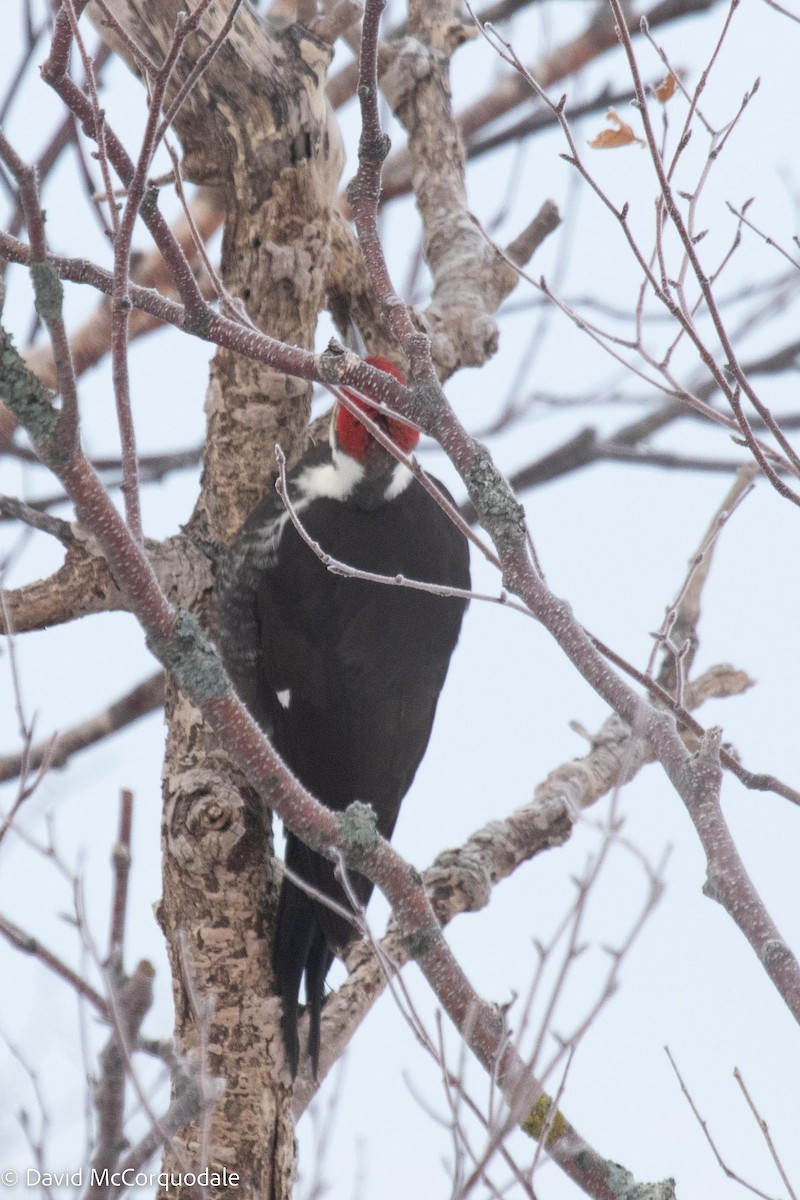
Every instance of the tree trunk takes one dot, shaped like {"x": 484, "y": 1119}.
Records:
{"x": 258, "y": 124}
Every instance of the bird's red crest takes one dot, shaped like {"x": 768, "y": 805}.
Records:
{"x": 354, "y": 437}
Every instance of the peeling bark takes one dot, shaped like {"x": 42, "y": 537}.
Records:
{"x": 216, "y": 913}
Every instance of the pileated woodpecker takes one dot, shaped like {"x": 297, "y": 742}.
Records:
{"x": 344, "y": 674}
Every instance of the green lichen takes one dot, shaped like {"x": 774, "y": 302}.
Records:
{"x": 419, "y": 942}
{"x": 358, "y": 827}
{"x": 24, "y": 394}
{"x": 622, "y": 1182}
{"x": 415, "y": 876}
{"x": 499, "y": 511}
{"x": 542, "y": 1116}
{"x": 190, "y": 657}
{"x": 48, "y": 291}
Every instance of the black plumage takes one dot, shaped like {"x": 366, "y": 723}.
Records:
{"x": 344, "y": 674}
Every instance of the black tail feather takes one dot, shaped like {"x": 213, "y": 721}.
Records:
{"x": 294, "y": 935}
{"x": 318, "y": 964}
{"x": 301, "y": 947}
{"x": 305, "y": 931}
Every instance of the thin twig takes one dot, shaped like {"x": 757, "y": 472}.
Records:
{"x": 337, "y": 567}
{"x": 731, "y": 1174}
{"x": 31, "y": 945}
{"x": 731, "y": 365}
{"x": 121, "y": 861}
{"x": 764, "y": 1128}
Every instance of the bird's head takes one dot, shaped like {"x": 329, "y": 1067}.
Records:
{"x": 354, "y": 439}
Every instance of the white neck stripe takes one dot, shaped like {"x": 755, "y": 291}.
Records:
{"x": 401, "y": 478}
{"x": 336, "y": 480}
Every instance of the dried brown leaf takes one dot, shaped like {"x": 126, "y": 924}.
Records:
{"x": 612, "y": 139}
{"x": 666, "y": 90}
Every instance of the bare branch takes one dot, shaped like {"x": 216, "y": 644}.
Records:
{"x": 470, "y": 281}
{"x": 58, "y": 749}
{"x": 340, "y": 17}
{"x": 133, "y": 999}
{"x": 30, "y": 945}
{"x": 15, "y": 510}
{"x": 84, "y": 584}
{"x": 732, "y": 366}
{"x": 92, "y": 340}
{"x": 677, "y": 636}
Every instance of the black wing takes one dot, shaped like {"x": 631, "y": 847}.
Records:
{"x": 346, "y": 675}
{"x": 238, "y": 579}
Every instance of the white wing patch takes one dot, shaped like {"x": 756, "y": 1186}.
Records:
{"x": 284, "y": 697}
